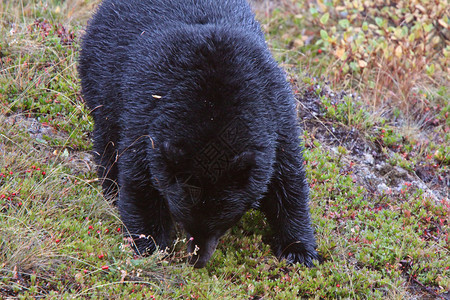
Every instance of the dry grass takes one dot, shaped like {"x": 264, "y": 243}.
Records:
{"x": 67, "y": 12}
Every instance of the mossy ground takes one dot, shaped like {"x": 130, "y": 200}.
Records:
{"x": 378, "y": 171}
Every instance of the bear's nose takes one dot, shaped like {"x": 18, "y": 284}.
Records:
{"x": 202, "y": 250}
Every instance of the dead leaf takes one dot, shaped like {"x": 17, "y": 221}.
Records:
{"x": 421, "y": 8}
{"x": 398, "y": 51}
{"x": 340, "y": 52}
{"x": 362, "y": 63}
{"x": 443, "y": 23}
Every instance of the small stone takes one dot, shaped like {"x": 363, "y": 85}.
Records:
{"x": 400, "y": 172}
{"x": 368, "y": 159}
{"x": 382, "y": 187}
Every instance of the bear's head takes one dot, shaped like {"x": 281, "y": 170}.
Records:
{"x": 207, "y": 192}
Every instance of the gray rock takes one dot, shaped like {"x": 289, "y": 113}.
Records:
{"x": 368, "y": 159}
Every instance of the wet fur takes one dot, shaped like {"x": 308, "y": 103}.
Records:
{"x": 167, "y": 81}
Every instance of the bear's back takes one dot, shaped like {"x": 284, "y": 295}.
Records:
{"x": 118, "y": 24}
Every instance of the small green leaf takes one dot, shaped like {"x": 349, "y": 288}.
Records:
{"x": 428, "y": 27}
{"x": 324, "y": 18}
{"x": 404, "y": 31}
{"x": 313, "y": 11}
{"x": 324, "y": 35}
{"x": 354, "y": 66}
{"x": 344, "y": 23}
{"x": 379, "y": 21}
{"x": 430, "y": 69}
{"x": 365, "y": 26}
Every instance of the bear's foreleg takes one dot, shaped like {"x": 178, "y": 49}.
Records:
{"x": 142, "y": 208}
{"x": 286, "y": 207}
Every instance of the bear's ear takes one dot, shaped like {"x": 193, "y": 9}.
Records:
{"x": 244, "y": 161}
{"x": 173, "y": 155}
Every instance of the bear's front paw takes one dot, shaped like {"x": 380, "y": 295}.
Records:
{"x": 297, "y": 253}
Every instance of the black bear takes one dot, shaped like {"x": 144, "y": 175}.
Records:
{"x": 195, "y": 124}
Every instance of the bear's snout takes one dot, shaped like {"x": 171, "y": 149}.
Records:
{"x": 205, "y": 249}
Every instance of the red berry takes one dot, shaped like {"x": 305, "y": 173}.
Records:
{"x": 105, "y": 267}
{"x": 338, "y": 285}
{"x": 106, "y": 230}
{"x": 91, "y": 227}
{"x": 43, "y": 172}
{"x": 319, "y": 51}
{"x": 118, "y": 229}
{"x": 101, "y": 256}
{"x": 57, "y": 240}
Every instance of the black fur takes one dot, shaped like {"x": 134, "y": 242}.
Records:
{"x": 195, "y": 123}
